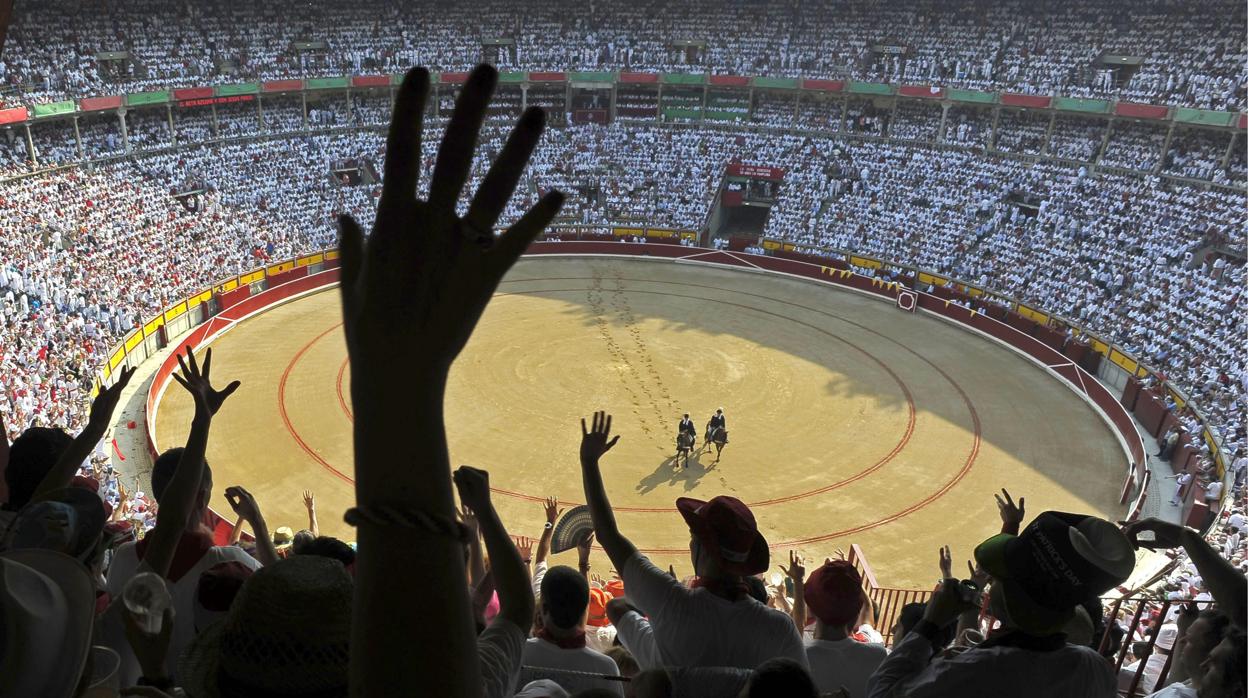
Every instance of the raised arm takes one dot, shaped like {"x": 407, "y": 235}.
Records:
{"x": 511, "y": 576}
{"x": 102, "y": 409}
{"x": 309, "y": 503}
{"x": 411, "y": 295}
{"x": 595, "y": 443}
{"x": 178, "y": 502}
{"x": 244, "y": 504}
{"x": 548, "y": 530}
{"x": 797, "y": 573}
{"x": 1228, "y": 585}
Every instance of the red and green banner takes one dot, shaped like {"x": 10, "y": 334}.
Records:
{"x": 1088, "y": 106}
{"x": 922, "y": 91}
{"x": 729, "y": 81}
{"x": 327, "y": 83}
{"x": 282, "y": 86}
{"x": 194, "y": 93}
{"x": 1011, "y": 99}
{"x": 1203, "y": 116}
{"x": 55, "y": 109}
{"x": 548, "y": 77}
{"x": 1141, "y": 111}
{"x": 972, "y": 96}
{"x": 775, "y": 83}
{"x": 823, "y": 85}
{"x": 684, "y": 78}
{"x": 139, "y": 99}
{"x": 99, "y": 103}
{"x": 592, "y": 76}
{"x": 870, "y": 88}
{"x": 453, "y": 78}
{"x": 370, "y": 81}
{"x": 15, "y": 115}
{"x": 244, "y": 88}
{"x": 512, "y": 76}
{"x": 639, "y": 78}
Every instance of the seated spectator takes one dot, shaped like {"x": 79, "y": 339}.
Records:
{"x": 717, "y": 623}
{"x": 833, "y": 593}
{"x": 1039, "y": 577}
{"x": 560, "y": 641}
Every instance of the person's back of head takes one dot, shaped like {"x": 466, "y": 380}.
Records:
{"x": 624, "y": 660}
{"x": 565, "y": 597}
{"x": 780, "y": 677}
{"x": 31, "y": 457}
{"x": 330, "y": 547}
{"x": 162, "y": 474}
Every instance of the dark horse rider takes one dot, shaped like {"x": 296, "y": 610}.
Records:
{"x": 717, "y": 422}
{"x": 687, "y": 427}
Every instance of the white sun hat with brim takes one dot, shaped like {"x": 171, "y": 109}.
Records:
{"x": 47, "y": 608}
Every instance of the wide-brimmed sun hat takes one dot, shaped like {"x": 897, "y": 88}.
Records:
{"x": 47, "y": 608}
{"x": 287, "y": 634}
{"x": 726, "y": 529}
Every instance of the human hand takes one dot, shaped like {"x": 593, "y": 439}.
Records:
{"x": 583, "y": 548}
{"x": 105, "y": 402}
{"x": 594, "y": 442}
{"x": 978, "y": 575}
{"x": 309, "y": 500}
{"x": 413, "y": 291}
{"x": 524, "y": 544}
{"x": 1165, "y": 534}
{"x": 1010, "y": 514}
{"x": 795, "y": 571}
{"x": 469, "y": 519}
{"x": 946, "y": 563}
{"x": 151, "y": 649}
{"x": 474, "y": 488}
{"x": 552, "y": 510}
{"x": 946, "y": 604}
{"x": 244, "y": 505}
{"x": 198, "y": 384}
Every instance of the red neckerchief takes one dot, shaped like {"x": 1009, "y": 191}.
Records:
{"x": 733, "y": 591}
{"x": 191, "y": 549}
{"x": 575, "y": 642}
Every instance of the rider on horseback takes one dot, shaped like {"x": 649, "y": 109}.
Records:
{"x": 687, "y": 427}
{"x": 717, "y": 422}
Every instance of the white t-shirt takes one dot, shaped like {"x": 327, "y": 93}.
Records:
{"x": 693, "y": 627}
{"x": 540, "y": 654}
{"x": 847, "y": 662}
{"x": 1175, "y": 690}
{"x": 125, "y": 565}
{"x": 499, "y": 648}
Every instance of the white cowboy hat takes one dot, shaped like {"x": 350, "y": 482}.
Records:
{"x": 47, "y": 607}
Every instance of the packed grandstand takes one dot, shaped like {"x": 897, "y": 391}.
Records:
{"x": 1085, "y": 159}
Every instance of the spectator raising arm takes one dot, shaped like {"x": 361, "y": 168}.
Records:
{"x": 1227, "y": 584}
{"x": 412, "y": 294}
{"x": 511, "y": 579}
{"x": 548, "y": 531}
{"x": 309, "y": 503}
{"x": 178, "y": 502}
{"x": 248, "y": 510}
{"x": 595, "y": 443}
{"x": 80, "y": 448}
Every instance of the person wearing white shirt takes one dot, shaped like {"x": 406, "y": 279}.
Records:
{"x": 833, "y": 593}
{"x": 561, "y": 642}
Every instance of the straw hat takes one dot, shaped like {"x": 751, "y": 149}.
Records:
{"x": 47, "y": 607}
{"x": 287, "y": 634}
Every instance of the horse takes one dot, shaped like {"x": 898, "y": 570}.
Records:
{"x": 684, "y": 445}
{"x": 717, "y": 436}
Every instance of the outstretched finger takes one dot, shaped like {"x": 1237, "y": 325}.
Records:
{"x": 351, "y": 255}
{"x": 190, "y": 359}
{"x": 584, "y": 431}
{"x": 229, "y": 389}
{"x": 207, "y": 364}
{"x": 402, "y": 169}
{"x": 454, "y": 162}
{"x": 519, "y": 236}
{"x": 500, "y": 182}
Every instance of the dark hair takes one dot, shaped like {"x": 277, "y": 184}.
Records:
{"x": 1219, "y": 624}
{"x": 31, "y": 457}
{"x": 330, "y": 547}
{"x": 166, "y": 465}
{"x": 781, "y": 677}
{"x": 565, "y": 596}
{"x": 758, "y": 589}
{"x": 1234, "y": 670}
{"x": 302, "y": 538}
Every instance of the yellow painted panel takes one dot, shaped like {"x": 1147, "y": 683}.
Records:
{"x": 331, "y": 254}
{"x": 281, "y": 267}
{"x": 1032, "y": 313}
{"x": 789, "y": 247}
{"x": 251, "y": 278}
{"x": 770, "y": 245}
{"x": 150, "y": 328}
{"x": 688, "y": 234}
{"x": 227, "y": 286}
{"x": 926, "y": 278}
{"x": 660, "y": 233}
{"x": 196, "y": 300}
{"x": 625, "y": 232}
{"x": 118, "y": 355}
{"x": 1124, "y": 361}
{"x": 1099, "y": 347}
{"x": 133, "y": 341}
{"x": 310, "y": 259}
{"x": 175, "y": 311}
{"x": 865, "y": 262}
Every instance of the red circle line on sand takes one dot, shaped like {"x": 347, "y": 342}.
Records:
{"x": 958, "y": 477}
{"x": 888, "y": 457}
{"x": 342, "y": 400}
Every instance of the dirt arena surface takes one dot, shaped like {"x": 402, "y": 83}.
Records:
{"x": 849, "y": 420}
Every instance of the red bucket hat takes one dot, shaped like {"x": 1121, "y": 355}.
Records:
{"x": 834, "y": 593}
{"x": 726, "y": 528}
